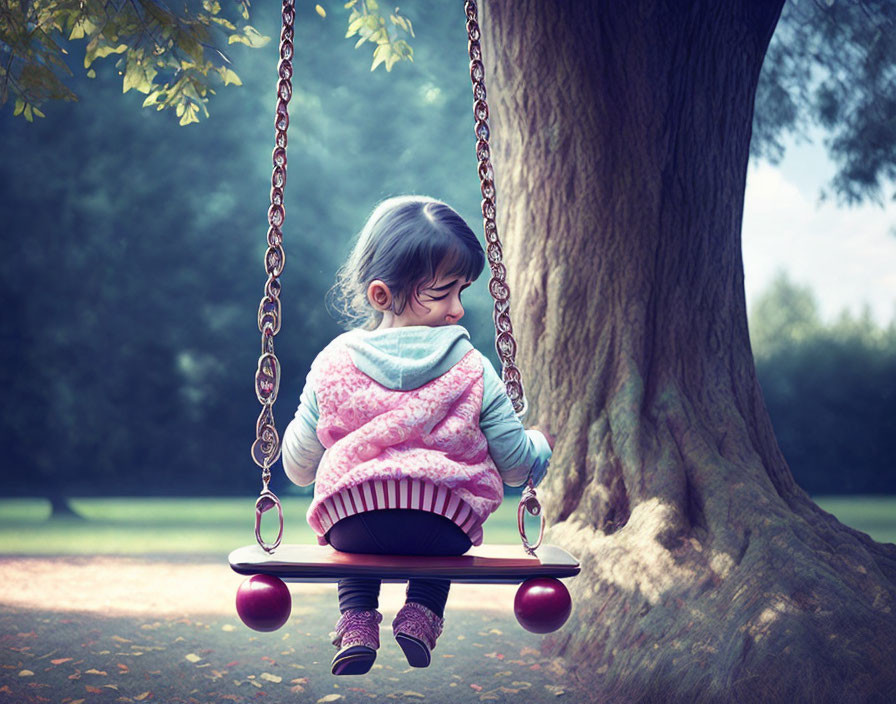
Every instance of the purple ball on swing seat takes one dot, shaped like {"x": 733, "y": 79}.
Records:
{"x": 542, "y": 604}
{"x": 263, "y": 602}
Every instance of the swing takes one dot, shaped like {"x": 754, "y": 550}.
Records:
{"x": 542, "y": 603}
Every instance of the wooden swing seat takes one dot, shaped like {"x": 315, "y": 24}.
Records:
{"x": 486, "y": 564}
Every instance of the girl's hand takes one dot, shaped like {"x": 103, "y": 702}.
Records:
{"x": 547, "y": 435}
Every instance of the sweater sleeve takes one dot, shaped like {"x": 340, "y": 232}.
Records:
{"x": 515, "y": 450}
{"x": 301, "y": 448}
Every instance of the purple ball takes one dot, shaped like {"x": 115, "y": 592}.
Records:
{"x": 542, "y": 604}
{"x": 263, "y": 602}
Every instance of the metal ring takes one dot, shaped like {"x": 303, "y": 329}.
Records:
{"x": 265, "y": 502}
{"x": 529, "y": 502}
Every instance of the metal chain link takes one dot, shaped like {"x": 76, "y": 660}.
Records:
{"x": 266, "y": 448}
{"x": 505, "y": 343}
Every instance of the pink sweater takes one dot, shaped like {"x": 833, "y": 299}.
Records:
{"x": 387, "y": 448}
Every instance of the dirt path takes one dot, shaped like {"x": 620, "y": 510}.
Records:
{"x": 84, "y": 630}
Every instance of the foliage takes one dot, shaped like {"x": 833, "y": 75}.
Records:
{"x": 172, "y": 58}
{"x": 832, "y": 64}
{"x": 830, "y": 390}
{"x": 167, "y": 56}
{"x": 368, "y": 22}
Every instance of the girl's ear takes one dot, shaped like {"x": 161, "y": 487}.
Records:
{"x": 379, "y": 295}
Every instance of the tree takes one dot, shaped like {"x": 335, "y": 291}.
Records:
{"x": 169, "y": 56}
{"x": 622, "y": 135}
{"x": 829, "y": 389}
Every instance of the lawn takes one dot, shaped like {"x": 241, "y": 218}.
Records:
{"x": 134, "y": 526}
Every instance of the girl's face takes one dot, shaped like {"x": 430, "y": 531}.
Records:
{"x": 437, "y": 303}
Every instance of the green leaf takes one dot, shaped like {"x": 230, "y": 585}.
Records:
{"x": 226, "y": 24}
{"x": 354, "y": 25}
{"x": 188, "y": 113}
{"x": 20, "y": 106}
{"x": 98, "y": 49}
{"x": 28, "y": 115}
{"x": 398, "y": 21}
{"x": 152, "y": 98}
{"x": 321, "y": 11}
{"x": 230, "y": 77}
{"x": 138, "y": 75}
{"x": 82, "y": 28}
{"x": 212, "y": 6}
{"x": 380, "y": 54}
{"x": 250, "y": 37}
{"x": 91, "y": 73}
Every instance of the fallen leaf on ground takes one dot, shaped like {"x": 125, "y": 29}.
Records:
{"x": 142, "y": 697}
{"x": 26, "y": 673}
{"x": 59, "y": 661}
{"x": 268, "y": 677}
{"x": 329, "y": 698}
{"x": 192, "y": 657}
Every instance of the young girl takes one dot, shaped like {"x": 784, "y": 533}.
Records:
{"x": 404, "y": 426}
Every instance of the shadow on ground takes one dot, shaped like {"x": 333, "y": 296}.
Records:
{"x": 85, "y": 630}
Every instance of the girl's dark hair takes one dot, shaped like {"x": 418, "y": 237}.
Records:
{"x": 405, "y": 242}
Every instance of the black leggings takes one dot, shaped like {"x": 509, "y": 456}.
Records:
{"x": 397, "y": 532}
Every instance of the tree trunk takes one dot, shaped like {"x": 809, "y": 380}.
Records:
{"x": 621, "y": 134}
{"x": 61, "y": 508}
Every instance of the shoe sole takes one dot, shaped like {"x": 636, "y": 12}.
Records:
{"x": 356, "y": 660}
{"x": 415, "y": 651}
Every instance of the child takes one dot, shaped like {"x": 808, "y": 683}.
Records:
{"x": 404, "y": 426}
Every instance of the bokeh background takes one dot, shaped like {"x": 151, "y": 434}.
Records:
{"x": 131, "y": 269}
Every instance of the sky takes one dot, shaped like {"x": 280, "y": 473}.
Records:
{"x": 846, "y": 255}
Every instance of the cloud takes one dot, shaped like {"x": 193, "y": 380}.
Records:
{"x": 846, "y": 255}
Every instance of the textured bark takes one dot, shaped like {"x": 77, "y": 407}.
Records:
{"x": 621, "y": 135}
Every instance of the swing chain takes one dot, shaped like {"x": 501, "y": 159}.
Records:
{"x": 505, "y": 343}
{"x": 529, "y": 503}
{"x": 266, "y": 448}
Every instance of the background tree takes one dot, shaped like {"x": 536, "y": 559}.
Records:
{"x": 829, "y": 390}
{"x": 623, "y": 136}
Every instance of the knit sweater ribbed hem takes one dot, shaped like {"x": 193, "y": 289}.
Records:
{"x": 376, "y": 495}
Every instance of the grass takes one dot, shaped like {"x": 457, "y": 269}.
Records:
{"x": 134, "y": 526}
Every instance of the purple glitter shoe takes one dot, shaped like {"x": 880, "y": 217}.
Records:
{"x": 358, "y": 637}
{"x": 416, "y": 629}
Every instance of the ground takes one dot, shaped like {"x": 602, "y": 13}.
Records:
{"x": 78, "y": 630}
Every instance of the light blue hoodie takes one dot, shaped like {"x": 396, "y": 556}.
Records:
{"x": 406, "y": 358}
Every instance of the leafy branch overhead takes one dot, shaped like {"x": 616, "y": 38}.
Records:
{"x": 174, "y": 58}
{"x": 170, "y": 57}
{"x": 369, "y": 24}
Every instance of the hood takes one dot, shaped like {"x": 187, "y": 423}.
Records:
{"x": 407, "y": 358}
